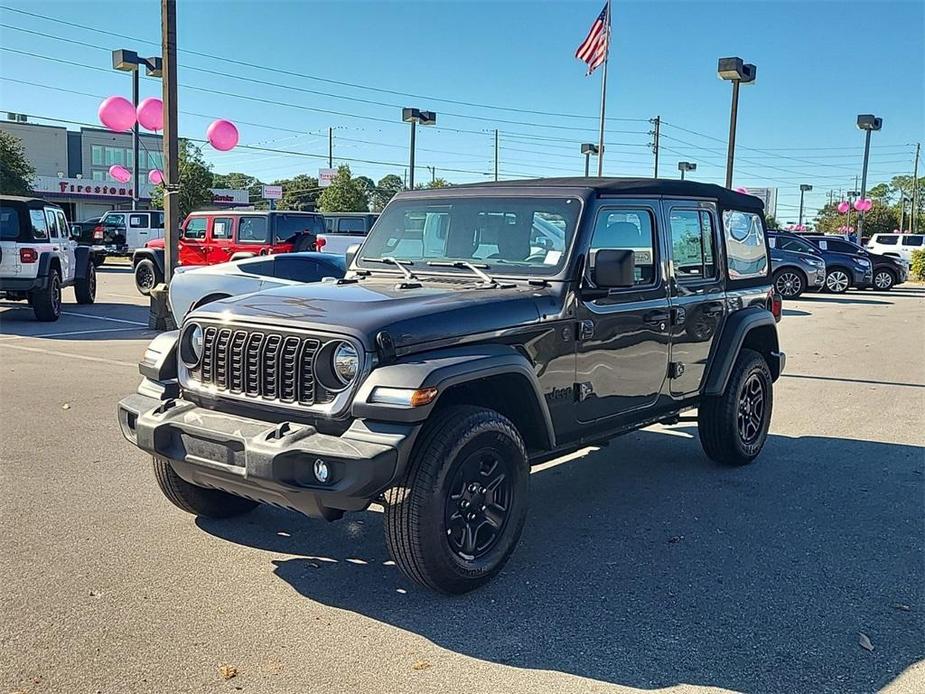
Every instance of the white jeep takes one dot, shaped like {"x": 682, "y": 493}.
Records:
{"x": 38, "y": 257}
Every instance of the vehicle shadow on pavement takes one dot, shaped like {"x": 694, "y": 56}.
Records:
{"x": 828, "y": 299}
{"x": 644, "y": 564}
{"x": 795, "y": 312}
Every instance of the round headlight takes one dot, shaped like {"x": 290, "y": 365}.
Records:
{"x": 191, "y": 345}
{"x": 345, "y": 363}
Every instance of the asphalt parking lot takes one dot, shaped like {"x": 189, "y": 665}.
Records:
{"x": 643, "y": 566}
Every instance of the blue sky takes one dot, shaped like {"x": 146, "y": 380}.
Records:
{"x": 819, "y": 65}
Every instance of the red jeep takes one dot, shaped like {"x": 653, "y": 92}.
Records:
{"x": 216, "y": 236}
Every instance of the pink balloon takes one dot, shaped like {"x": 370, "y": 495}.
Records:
{"x": 117, "y": 113}
{"x": 222, "y": 134}
{"x": 868, "y": 205}
{"x": 843, "y": 207}
{"x": 742, "y": 190}
{"x": 155, "y": 177}
{"x": 859, "y": 204}
{"x": 120, "y": 173}
{"x": 151, "y": 114}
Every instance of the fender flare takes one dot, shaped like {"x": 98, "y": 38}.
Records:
{"x": 45, "y": 264}
{"x": 155, "y": 255}
{"x": 83, "y": 260}
{"x": 442, "y": 370}
{"x": 735, "y": 332}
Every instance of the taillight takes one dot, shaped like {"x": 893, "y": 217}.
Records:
{"x": 775, "y": 305}
{"x": 320, "y": 243}
{"x": 97, "y": 233}
{"x": 28, "y": 255}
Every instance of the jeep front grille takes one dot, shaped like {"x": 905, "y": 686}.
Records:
{"x": 260, "y": 365}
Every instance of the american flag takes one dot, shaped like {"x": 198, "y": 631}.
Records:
{"x": 593, "y": 50}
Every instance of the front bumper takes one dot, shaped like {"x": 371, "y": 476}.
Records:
{"x": 816, "y": 277}
{"x": 268, "y": 462}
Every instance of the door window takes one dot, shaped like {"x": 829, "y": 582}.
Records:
{"x": 692, "y": 249}
{"x": 52, "y": 223}
{"x": 788, "y": 243}
{"x": 913, "y": 240}
{"x": 222, "y": 228}
{"x": 114, "y": 220}
{"x": 886, "y": 239}
{"x": 841, "y": 246}
{"x": 746, "y": 253}
{"x": 195, "y": 229}
{"x": 329, "y": 224}
{"x": 39, "y": 225}
{"x": 138, "y": 221}
{"x": 252, "y": 230}
{"x": 62, "y": 224}
{"x": 632, "y": 230}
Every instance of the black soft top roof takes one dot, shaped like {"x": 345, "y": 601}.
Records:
{"x": 636, "y": 187}
{"x": 27, "y": 201}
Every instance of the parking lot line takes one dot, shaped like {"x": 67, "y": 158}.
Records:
{"x": 67, "y": 334}
{"x": 56, "y": 353}
{"x": 112, "y": 320}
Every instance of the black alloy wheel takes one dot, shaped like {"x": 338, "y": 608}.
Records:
{"x": 476, "y": 508}
{"x": 752, "y": 402}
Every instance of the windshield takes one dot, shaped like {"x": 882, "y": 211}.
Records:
{"x": 517, "y": 235}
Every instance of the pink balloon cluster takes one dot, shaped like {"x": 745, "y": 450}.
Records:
{"x": 796, "y": 227}
{"x": 863, "y": 204}
{"x": 743, "y": 190}
{"x": 120, "y": 173}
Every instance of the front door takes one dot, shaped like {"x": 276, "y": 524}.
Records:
{"x": 221, "y": 246}
{"x": 697, "y": 299}
{"x": 622, "y": 349}
{"x": 60, "y": 242}
{"x": 192, "y": 246}
{"x": 68, "y": 244}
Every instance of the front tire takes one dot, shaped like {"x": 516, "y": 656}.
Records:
{"x": 210, "y": 503}
{"x": 46, "y": 302}
{"x": 85, "y": 289}
{"x": 837, "y": 281}
{"x": 884, "y": 280}
{"x": 146, "y": 276}
{"x": 789, "y": 283}
{"x": 455, "y": 517}
{"x": 733, "y": 427}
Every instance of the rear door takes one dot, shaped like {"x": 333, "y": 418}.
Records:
{"x": 137, "y": 230}
{"x": 697, "y": 298}
{"x": 193, "y": 245}
{"x": 221, "y": 245}
{"x": 69, "y": 244}
{"x": 253, "y": 234}
{"x": 623, "y": 338}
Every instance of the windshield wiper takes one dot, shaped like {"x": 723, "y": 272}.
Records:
{"x": 466, "y": 265}
{"x": 400, "y": 264}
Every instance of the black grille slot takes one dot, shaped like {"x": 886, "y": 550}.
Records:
{"x": 260, "y": 365}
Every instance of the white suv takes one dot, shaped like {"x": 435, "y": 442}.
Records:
{"x": 38, "y": 257}
{"x": 897, "y": 245}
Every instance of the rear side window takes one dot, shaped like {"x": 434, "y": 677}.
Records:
{"x": 9, "y": 223}
{"x": 351, "y": 225}
{"x": 788, "y": 243}
{"x": 632, "y": 230}
{"x": 886, "y": 239}
{"x": 746, "y": 253}
{"x": 692, "y": 245}
{"x": 52, "y": 223}
{"x": 913, "y": 241}
{"x": 252, "y": 230}
{"x": 329, "y": 224}
{"x": 138, "y": 221}
{"x": 39, "y": 225}
{"x": 157, "y": 220}
{"x": 195, "y": 229}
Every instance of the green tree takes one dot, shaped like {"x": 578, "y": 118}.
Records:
{"x": 16, "y": 173}
{"x": 300, "y": 193}
{"x": 438, "y": 183}
{"x": 343, "y": 195}
{"x": 881, "y": 219}
{"x": 195, "y": 181}
{"x": 368, "y": 186}
{"x": 386, "y": 189}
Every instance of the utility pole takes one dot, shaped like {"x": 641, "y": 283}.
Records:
{"x": 170, "y": 141}
{"x": 433, "y": 173}
{"x": 657, "y": 122}
{"x": 330, "y": 148}
{"x": 496, "y": 154}
{"x": 915, "y": 191}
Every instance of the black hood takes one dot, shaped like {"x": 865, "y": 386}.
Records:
{"x": 438, "y": 310}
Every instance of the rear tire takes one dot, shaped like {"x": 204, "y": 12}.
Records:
{"x": 733, "y": 427}
{"x": 210, "y": 503}
{"x": 146, "y": 276}
{"x": 46, "y": 302}
{"x": 455, "y": 517}
{"x": 85, "y": 289}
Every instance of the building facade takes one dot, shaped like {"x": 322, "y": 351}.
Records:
{"x": 72, "y": 168}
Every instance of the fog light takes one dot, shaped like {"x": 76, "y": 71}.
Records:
{"x": 322, "y": 473}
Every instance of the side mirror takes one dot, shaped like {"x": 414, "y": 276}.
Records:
{"x": 352, "y": 253}
{"x": 612, "y": 268}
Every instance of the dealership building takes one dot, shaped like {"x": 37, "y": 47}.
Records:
{"x": 72, "y": 168}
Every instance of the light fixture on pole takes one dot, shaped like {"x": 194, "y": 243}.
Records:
{"x": 737, "y": 72}
{"x": 589, "y": 150}
{"x": 415, "y": 116}
{"x": 804, "y": 188}
{"x": 684, "y": 166}
{"x": 128, "y": 61}
{"x": 867, "y": 122}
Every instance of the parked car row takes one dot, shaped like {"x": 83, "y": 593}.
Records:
{"x": 798, "y": 261}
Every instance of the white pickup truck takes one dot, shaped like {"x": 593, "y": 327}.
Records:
{"x": 345, "y": 229}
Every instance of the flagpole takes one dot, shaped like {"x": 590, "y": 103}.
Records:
{"x": 600, "y": 144}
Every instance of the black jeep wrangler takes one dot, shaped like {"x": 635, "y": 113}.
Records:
{"x": 482, "y": 329}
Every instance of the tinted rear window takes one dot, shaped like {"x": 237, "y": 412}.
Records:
{"x": 289, "y": 225}
{"x": 886, "y": 239}
{"x": 9, "y": 223}
{"x": 913, "y": 240}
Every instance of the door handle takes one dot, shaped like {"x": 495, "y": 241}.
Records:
{"x": 656, "y": 317}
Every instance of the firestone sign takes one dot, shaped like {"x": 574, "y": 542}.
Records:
{"x": 79, "y": 187}
{"x": 66, "y": 187}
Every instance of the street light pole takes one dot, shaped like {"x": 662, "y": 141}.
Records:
{"x": 867, "y": 122}
{"x": 414, "y": 129}
{"x": 804, "y": 187}
{"x": 415, "y": 116}
{"x": 684, "y": 166}
{"x": 738, "y": 72}
{"x": 587, "y": 149}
